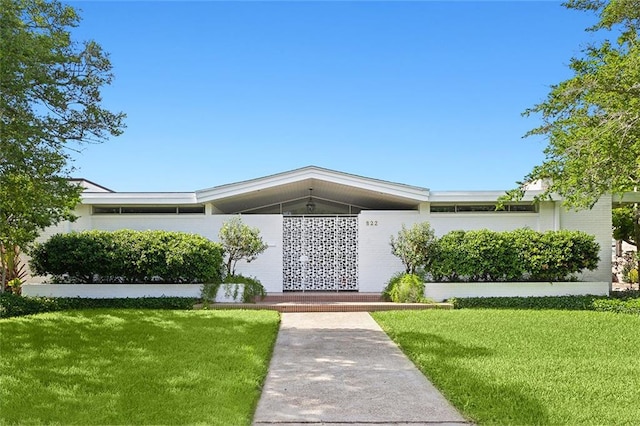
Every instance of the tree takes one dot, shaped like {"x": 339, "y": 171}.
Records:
{"x": 50, "y": 104}
{"x": 240, "y": 241}
{"x": 623, "y": 226}
{"x": 414, "y": 246}
{"x": 592, "y": 120}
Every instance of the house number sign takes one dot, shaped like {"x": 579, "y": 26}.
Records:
{"x": 371, "y": 223}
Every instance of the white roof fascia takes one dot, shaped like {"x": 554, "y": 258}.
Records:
{"x": 139, "y": 198}
{"x": 312, "y": 172}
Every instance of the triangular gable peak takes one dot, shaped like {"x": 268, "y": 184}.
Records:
{"x": 331, "y": 191}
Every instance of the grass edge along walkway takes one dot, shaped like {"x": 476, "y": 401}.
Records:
{"x": 526, "y": 367}
{"x": 110, "y": 366}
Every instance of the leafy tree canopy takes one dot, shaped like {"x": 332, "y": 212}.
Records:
{"x": 592, "y": 120}
{"x": 50, "y": 104}
{"x": 239, "y": 242}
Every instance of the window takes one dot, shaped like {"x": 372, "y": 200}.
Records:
{"x": 482, "y": 208}
{"x": 99, "y": 210}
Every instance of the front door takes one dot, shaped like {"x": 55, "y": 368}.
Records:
{"x": 320, "y": 253}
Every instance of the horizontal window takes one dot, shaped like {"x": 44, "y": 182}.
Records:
{"x": 148, "y": 209}
{"x": 482, "y": 208}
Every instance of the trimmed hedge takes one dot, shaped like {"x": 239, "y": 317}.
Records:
{"x": 127, "y": 256}
{"x": 12, "y": 305}
{"x": 520, "y": 255}
{"x": 618, "y": 302}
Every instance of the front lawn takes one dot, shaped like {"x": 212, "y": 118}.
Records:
{"x": 527, "y": 367}
{"x": 109, "y": 366}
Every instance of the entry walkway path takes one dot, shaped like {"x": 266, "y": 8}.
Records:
{"x": 341, "y": 368}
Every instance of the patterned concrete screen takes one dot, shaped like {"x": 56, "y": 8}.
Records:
{"x": 320, "y": 253}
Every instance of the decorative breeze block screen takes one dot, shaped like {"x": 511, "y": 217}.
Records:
{"x": 320, "y": 253}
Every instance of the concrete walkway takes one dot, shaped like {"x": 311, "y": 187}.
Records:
{"x": 341, "y": 368}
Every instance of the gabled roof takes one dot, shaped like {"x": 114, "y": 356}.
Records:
{"x": 325, "y": 184}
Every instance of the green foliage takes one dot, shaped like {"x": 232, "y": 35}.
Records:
{"x": 629, "y": 306}
{"x": 240, "y": 242}
{"x": 620, "y": 302}
{"x": 450, "y": 263}
{"x": 571, "y": 303}
{"x": 128, "y": 256}
{"x": 623, "y": 227}
{"x": 591, "y": 120}
{"x": 252, "y": 288}
{"x": 414, "y": 246}
{"x": 405, "y": 288}
{"x": 631, "y": 276}
{"x": 12, "y": 270}
{"x": 13, "y": 305}
{"x": 393, "y": 281}
{"x": 520, "y": 255}
{"x": 50, "y": 102}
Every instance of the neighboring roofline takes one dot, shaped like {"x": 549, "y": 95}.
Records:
{"x": 142, "y": 198}
{"x": 91, "y": 182}
{"x": 313, "y": 172}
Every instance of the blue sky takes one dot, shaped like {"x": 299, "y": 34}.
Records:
{"x": 423, "y": 93}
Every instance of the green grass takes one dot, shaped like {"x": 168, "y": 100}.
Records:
{"x": 109, "y": 366}
{"x": 527, "y": 367}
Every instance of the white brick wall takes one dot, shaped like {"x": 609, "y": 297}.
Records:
{"x": 596, "y": 221}
{"x": 376, "y": 263}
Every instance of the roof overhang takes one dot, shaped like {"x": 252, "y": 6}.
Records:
{"x": 328, "y": 185}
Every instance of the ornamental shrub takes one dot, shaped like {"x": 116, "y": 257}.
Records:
{"x": 414, "y": 246}
{"x": 13, "y": 305}
{"x": 405, "y": 288}
{"x": 252, "y": 288}
{"x": 627, "y": 304}
{"x": 520, "y": 255}
{"x": 127, "y": 256}
{"x": 451, "y": 262}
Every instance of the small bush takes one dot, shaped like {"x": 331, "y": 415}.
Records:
{"x": 252, "y": 288}
{"x": 630, "y": 276}
{"x": 405, "y": 288}
{"x": 12, "y": 305}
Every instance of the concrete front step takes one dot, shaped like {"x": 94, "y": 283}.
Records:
{"x": 321, "y": 297}
{"x": 327, "y": 302}
{"x": 331, "y": 306}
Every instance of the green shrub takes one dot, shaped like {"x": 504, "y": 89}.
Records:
{"x": 620, "y": 302}
{"x": 12, "y": 305}
{"x": 252, "y": 288}
{"x": 451, "y": 258}
{"x": 622, "y": 306}
{"x": 129, "y": 256}
{"x": 558, "y": 254}
{"x": 414, "y": 246}
{"x": 631, "y": 276}
{"x": 405, "y": 288}
{"x": 579, "y": 303}
{"x": 386, "y": 292}
{"x": 520, "y": 255}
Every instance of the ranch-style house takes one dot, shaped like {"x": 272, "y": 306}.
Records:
{"x": 328, "y": 230}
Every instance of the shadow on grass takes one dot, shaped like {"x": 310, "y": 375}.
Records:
{"x": 479, "y": 397}
{"x": 134, "y": 367}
